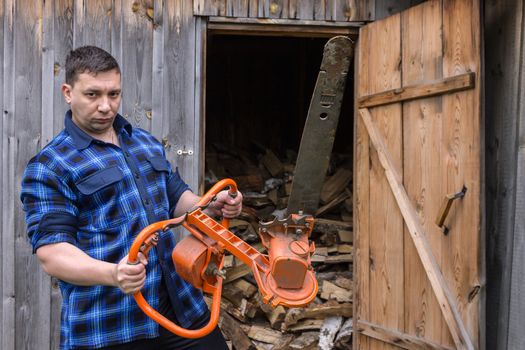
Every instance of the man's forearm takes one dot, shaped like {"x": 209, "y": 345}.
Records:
{"x": 70, "y": 264}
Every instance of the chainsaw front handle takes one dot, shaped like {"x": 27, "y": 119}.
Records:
{"x": 148, "y": 238}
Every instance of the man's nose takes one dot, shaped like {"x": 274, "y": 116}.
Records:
{"x": 103, "y": 105}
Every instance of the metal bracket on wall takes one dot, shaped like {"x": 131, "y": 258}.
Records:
{"x": 445, "y": 208}
{"x": 184, "y": 152}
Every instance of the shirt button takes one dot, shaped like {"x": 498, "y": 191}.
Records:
{"x": 126, "y": 154}
{"x": 137, "y": 176}
{"x": 146, "y": 202}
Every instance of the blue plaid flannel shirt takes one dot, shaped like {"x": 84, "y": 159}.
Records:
{"x": 98, "y": 197}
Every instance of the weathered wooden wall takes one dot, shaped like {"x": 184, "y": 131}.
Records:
{"x": 505, "y": 169}
{"x": 154, "y": 41}
{"x": 158, "y": 44}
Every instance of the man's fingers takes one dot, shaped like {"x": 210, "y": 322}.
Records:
{"x": 142, "y": 259}
{"x": 131, "y": 287}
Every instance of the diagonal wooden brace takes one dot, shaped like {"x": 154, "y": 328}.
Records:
{"x": 446, "y": 301}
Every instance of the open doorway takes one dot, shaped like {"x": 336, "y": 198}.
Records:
{"x": 258, "y": 91}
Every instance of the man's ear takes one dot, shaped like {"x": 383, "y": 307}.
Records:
{"x": 66, "y": 91}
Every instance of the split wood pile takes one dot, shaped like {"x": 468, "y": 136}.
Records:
{"x": 246, "y": 321}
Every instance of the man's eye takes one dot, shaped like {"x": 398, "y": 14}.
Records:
{"x": 114, "y": 94}
{"x": 90, "y": 94}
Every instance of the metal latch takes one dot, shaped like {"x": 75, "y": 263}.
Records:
{"x": 184, "y": 152}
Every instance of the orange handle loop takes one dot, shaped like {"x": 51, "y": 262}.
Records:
{"x": 144, "y": 242}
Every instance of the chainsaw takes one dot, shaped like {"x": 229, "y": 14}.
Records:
{"x": 284, "y": 276}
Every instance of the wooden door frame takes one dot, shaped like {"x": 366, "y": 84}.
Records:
{"x": 206, "y": 26}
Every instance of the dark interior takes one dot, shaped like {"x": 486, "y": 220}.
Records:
{"x": 258, "y": 91}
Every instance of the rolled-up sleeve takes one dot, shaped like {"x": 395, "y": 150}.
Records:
{"x": 49, "y": 205}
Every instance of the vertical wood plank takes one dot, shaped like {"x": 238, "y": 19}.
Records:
{"x": 62, "y": 43}
{"x": 32, "y": 308}
{"x": 158, "y": 70}
{"x": 92, "y": 23}
{"x": 423, "y": 169}
{"x": 277, "y": 8}
{"x": 209, "y": 8}
{"x": 462, "y": 262}
{"x": 116, "y": 31}
{"x": 504, "y": 28}
{"x": 517, "y": 287}
{"x": 386, "y": 236}
{"x": 8, "y": 239}
{"x": 361, "y": 187}
{"x": 200, "y": 100}
{"x": 305, "y": 10}
{"x": 178, "y": 93}
{"x": 342, "y": 10}
{"x": 253, "y": 10}
{"x": 237, "y": 8}
{"x": 137, "y": 60}
{"x": 320, "y": 10}
{"x": 364, "y": 10}
{"x": 57, "y": 42}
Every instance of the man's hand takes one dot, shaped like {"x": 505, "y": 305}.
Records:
{"x": 130, "y": 278}
{"x": 226, "y": 205}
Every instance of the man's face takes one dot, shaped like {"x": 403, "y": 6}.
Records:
{"x": 94, "y": 100}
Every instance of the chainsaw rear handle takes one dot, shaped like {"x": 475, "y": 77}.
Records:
{"x": 148, "y": 237}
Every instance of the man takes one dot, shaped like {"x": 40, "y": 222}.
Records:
{"x": 87, "y": 195}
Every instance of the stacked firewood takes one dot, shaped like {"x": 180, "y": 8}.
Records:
{"x": 246, "y": 321}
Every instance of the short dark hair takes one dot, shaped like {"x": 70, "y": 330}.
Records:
{"x": 88, "y": 59}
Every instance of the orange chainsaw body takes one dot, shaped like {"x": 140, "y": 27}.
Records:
{"x": 284, "y": 276}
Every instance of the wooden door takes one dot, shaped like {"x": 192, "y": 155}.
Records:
{"x": 418, "y": 146}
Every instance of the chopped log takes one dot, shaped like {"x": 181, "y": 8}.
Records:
{"x": 343, "y": 282}
{"x": 273, "y": 196}
{"x": 272, "y": 163}
{"x": 250, "y": 182}
{"x": 247, "y": 289}
{"x": 333, "y": 203}
{"x": 306, "y": 341}
{"x": 262, "y": 346}
{"x": 237, "y": 272}
{"x": 228, "y": 261}
{"x": 328, "y": 239}
{"x": 316, "y": 258}
{"x": 274, "y": 315}
{"x": 340, "y": 258}
{"x": 342, "y": 341}
{"x": 264, "y": 334}
{"x": 321, "y": 251}
{"x": 288, "y": 188}
{"x": 349, "y": 202}
{"x": 233, "y": 331}
{"x": 289, "y": 168}
{"x": 282, "y": 202}
{"x": 258, "y": 201}
{"x": 346, "y": 215}
{"x": 330, "y": 275}
{"x": 286, "y": 339}
{"x": 331, "y": 291}
{"x": 248, "y": 308}
{"x": 306, "y": 325}
{"x": 345, "y": 249}
{"x": 317, "y": 311}
{"x": 331, "y": 226}
{"x": 227, "y": 306}
{"x": 345, "y": 236}
{"x": 333, "y": 249}
{"x": 328, "y": 332}
{"x": 335, "y": 184}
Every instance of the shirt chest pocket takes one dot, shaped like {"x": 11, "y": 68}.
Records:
{"x": 99, "y": 188}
